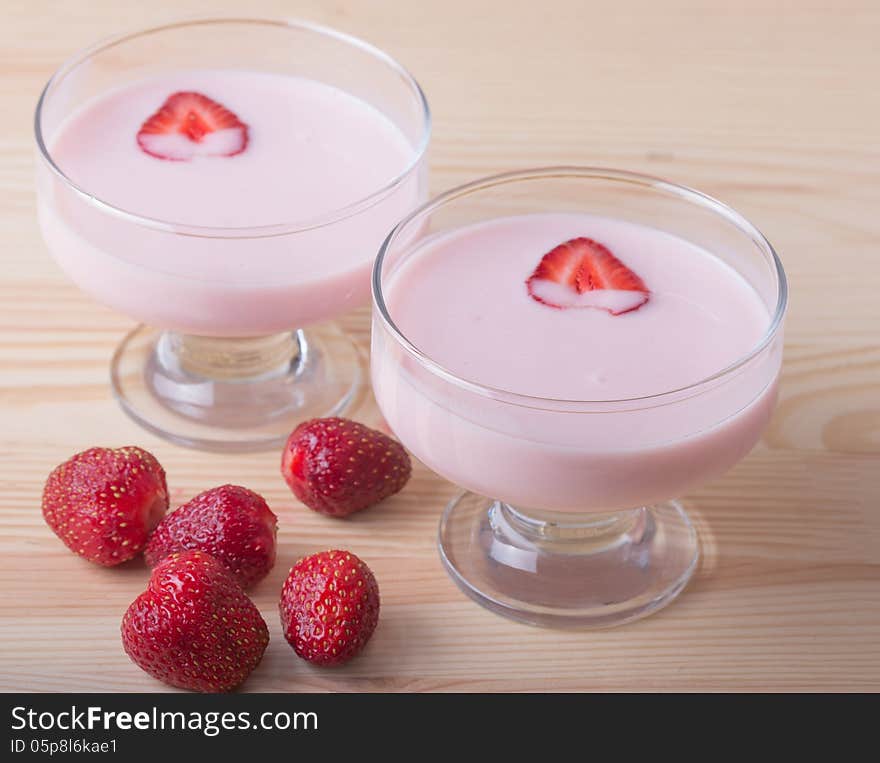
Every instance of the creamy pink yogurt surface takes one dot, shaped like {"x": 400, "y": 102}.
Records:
{"x": 461, "y": 299}
{"x": 312, "y": 149}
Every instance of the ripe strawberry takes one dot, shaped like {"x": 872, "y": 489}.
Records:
{"x": 103, "y": 503}
{"x": 194, "y": 627}
{"x": 337, "y": 466}
{"x": 329, "y": 607}
{"x": 231, "y": 523}
{"x": 191, "y": 124}
{"x": 584, "y": 273}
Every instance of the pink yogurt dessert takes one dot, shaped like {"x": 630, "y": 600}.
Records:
{"x": 621, "y": 311}
{"x": 269, "y": 221}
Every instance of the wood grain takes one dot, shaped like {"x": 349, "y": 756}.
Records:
{"x": 773, "y": 107}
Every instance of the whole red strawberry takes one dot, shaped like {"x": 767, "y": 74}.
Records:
{"x": 329, "y": 607}
{"x": 337, "y": 466}
{"x": 103, "y": 503}
{"x": 194, "y": 627}
{"x": 233, "y": 524}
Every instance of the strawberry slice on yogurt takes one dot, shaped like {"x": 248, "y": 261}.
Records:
{"x": 190, "y": 124}
{"x": 584, "y": 273}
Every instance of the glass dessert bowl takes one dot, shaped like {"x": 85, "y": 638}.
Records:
{"x": 227, "y": 182}
{"x": 575, "y": 347}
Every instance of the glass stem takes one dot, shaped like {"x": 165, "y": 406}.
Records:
{"x": 579, "y": 533}
{"x": 236, "y": 358}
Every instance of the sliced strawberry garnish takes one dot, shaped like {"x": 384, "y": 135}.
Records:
{"x": 583, "y": 273}
{"x": 191, "y": 124}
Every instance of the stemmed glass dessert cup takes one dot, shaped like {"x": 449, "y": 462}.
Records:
{"x": 231, "y": 357}
{"x": 569, "y": 517}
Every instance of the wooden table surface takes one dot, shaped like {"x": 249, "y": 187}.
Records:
{"x": 771, "y": 107}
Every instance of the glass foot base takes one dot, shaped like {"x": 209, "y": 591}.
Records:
{"x": 568, "y": 571}
{"x": 234, "y": 395}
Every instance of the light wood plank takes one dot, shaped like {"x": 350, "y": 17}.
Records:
{"x": 772, "y": 107}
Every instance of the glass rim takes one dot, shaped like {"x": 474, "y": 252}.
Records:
{"x": 685, "y": 193}
{"x": 258, "y": 231}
